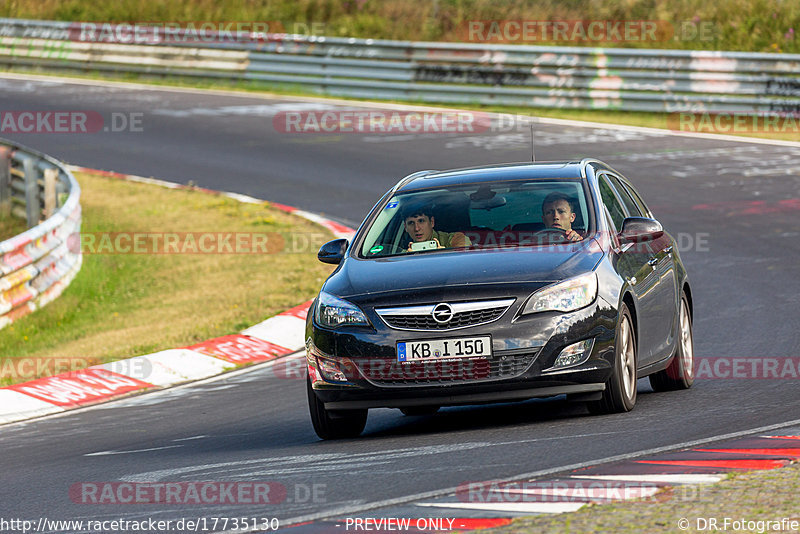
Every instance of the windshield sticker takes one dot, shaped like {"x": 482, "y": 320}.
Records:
{"x": 376, "y": 249}
{"x": 391, "y": 205}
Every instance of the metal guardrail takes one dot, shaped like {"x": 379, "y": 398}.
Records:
{"x": 520, "y": 75}
{"x": 36, "y": 265}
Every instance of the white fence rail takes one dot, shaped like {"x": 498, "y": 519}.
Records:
{"x": 563, "y": 77}
{"x": 36, "y": 265}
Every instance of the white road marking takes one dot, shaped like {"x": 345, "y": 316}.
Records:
{"x": 519, "y": 507}
{"x": 170, "y": 366}
{"x": 329, "y": 464}
{"x": 15, "y": 406}
{"x": 301, "y": 463}
{"x": 518, "y": 140}
{"x": 110, "y": 453}
{"x": 749, "y": 162}
{"x": 191, "y": 438}
{"x": 659, "y": 478}
{"x": 255, "y": 110}
{"x": 578, "y": 491}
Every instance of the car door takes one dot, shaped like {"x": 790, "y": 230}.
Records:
{"x": 634, "y": 263}
{"x": 665, "y": 306}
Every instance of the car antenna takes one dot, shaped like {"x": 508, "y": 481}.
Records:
{"x": 533, "y": 147}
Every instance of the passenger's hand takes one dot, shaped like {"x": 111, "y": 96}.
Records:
{"x": 459, "y": 240}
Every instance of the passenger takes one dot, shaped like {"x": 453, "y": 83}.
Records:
{"x": 419, "y": 223}
{"x": 557, "y": 212}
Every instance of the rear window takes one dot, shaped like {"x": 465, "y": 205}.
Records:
{"x": 478, "y": 216}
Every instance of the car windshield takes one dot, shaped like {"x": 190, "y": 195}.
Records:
{"x": 480, "y": 216}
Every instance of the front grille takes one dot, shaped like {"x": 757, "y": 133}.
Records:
{"x": 464, "y": 314}
{"x": 388, "y": 373}
{"x": 459, "y": 320}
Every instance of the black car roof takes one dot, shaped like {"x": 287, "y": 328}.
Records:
{"x": 491, "y": 173}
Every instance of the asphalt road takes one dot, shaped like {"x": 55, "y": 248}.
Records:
{"x": 734, "y": 207}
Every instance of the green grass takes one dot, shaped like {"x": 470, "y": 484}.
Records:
{"x": 124, "y": 304}
{"x": 11, "y": 226}
{"x": 749, "y": 25}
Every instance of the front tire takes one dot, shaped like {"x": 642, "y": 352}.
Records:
{"x": 334, "y": 424}
{"x": 620, "y": 393}
{"x": 680, "y": 373}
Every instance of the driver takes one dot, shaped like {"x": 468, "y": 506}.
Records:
{"x": 419, "y": 223}
{"x": 557, "y": 213}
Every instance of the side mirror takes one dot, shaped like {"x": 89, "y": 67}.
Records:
{"x": 639, "y": 229}
{"x": 333, "y": 251}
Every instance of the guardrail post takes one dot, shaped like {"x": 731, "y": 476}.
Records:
{"x": 5, "y": 181}
{"x": 50, "y": 178}
{"x": 33, "y": 206}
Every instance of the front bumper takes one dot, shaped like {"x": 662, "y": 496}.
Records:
{"x": 524, "y": 350}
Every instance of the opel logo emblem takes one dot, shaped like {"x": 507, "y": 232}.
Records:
{"x": 442, "y": 313}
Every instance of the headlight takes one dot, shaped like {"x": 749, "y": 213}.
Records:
{"x": 333, "y": 312}
{"x": 569, "y": 295}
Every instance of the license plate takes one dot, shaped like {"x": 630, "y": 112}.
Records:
{"x": 443, "y": 349}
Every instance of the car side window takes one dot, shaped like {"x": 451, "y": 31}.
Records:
{"x": 611, "y": 202}
{"x": 629, "y": 202}
{"x": 638, "y": 199}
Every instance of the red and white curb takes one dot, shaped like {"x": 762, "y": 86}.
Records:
{"x": 273, "y": 338}
{"x": 657, "y": 477}
{"x": 650, "y": 479}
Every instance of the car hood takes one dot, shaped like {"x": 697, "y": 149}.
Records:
{"x": 452, "y": 269}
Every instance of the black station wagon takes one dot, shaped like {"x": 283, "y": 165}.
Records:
{"x": 495, "y": 284}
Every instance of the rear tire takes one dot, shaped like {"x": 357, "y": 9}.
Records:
{"x": 620, "y": 393}
{"x": 419, "y": 410}
{"x": 334, "y": 424}
{"x": 680, "y": 373}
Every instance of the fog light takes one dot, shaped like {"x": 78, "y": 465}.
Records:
{"x": 574, "y": 354}
{"x": 330, "y": 370}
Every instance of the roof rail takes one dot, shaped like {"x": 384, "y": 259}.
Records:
{"x": 412, "y": 176}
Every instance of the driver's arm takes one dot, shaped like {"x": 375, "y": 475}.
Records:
{"x": 460, "y": 240}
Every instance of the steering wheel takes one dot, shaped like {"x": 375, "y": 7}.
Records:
{"x": 548, "y": 234}
{"x": 553, "y": 230}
